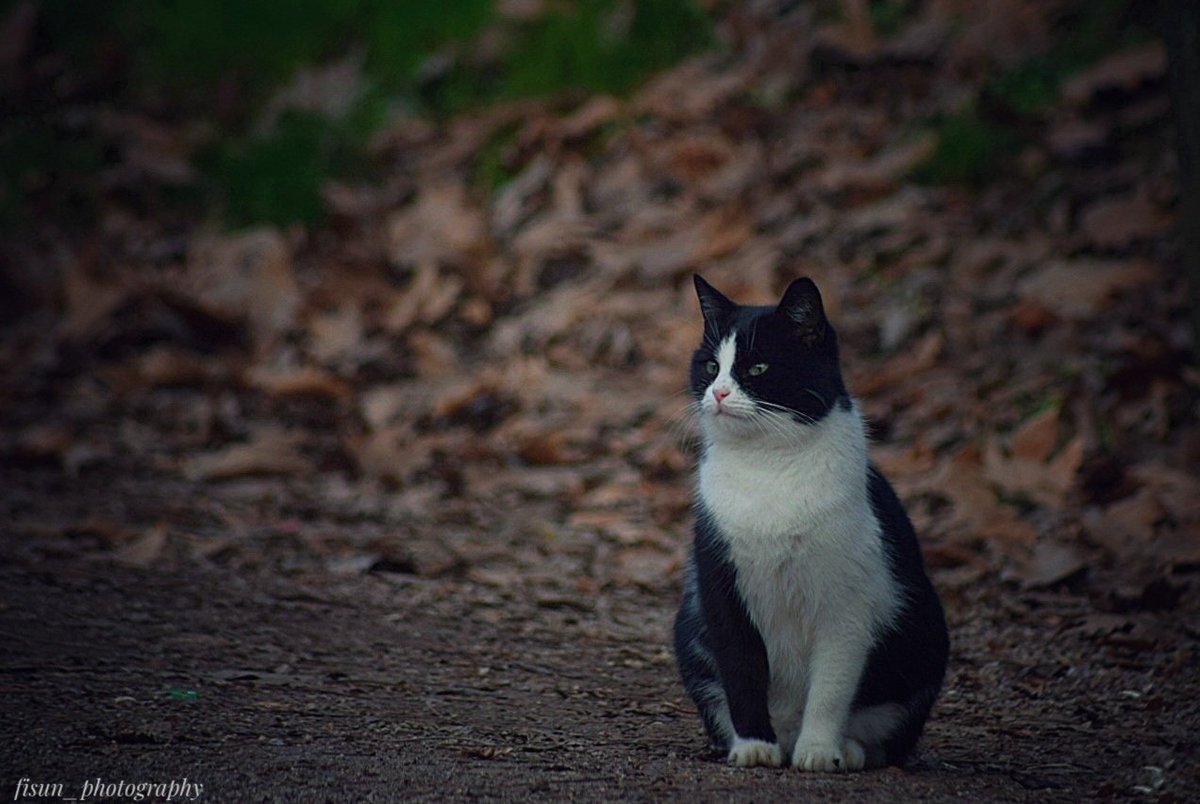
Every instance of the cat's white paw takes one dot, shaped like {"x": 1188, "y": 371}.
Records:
{"x": 746, "y": 753}
{"x": 815, "y": 757}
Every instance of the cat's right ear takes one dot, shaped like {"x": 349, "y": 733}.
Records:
{"x": 714, "y": 305}
{"x": 802, "y": 305}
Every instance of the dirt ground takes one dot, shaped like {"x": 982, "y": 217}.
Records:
{"x": 396, "y": 507}
{"x": 289, "y": 682}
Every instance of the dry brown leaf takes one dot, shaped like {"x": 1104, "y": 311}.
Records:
{"x": 286, "y": 381}
{"x": 541, "y": 449}
{"x": 248, "y": 276}
{"x": 1178, "y": 491}
{"x": 269, "y": 451}
{"x": 1037, "y": 437}
{"x": 691, "y": 91}
{"x": 443, "y": 225}
{"x": 617, "y": 526}
{"x": 165, "y": 366}
{"x": 89, "y": 301}
{"x": 146, "y": 549}
{"x": 1047, "y": 482}
{"x": 516, "y": 200}
{"x": 597, "y": 111}
{"x": 1072, "y": 138}
{"x": 898, "y": 462}
{"x": 951, "y": 556}
{"x": 645, "y": 566}
{"x": 853, "y": 39}
{"x": 1118, "y": 222}
{"x": 46, "y": 441}
{"x": 1005, "y": 33}
{"x": 1125, "y": 71}
{"x": 336, "y": 336}
{"x": 1047, "y": 564}
{"x": 1080, "y": 288}
{"x": 977, "y": 512}
{"x": 659, "y": 256}
{"x": 428, "y": 299}
{"x": 386, "y": 453}
{"x": 434, "y": 355}
{"x": 711, "y": 163}
{"x": 880, "y": 173}
{"x": 904, "y": 365}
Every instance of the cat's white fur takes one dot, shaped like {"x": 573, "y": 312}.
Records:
{"x": 810, "y": 565}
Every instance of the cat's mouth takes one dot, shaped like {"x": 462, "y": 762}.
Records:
{"x": 726, "y": 412}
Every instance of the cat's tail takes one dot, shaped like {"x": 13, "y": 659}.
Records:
{"x": 899, "y": 746}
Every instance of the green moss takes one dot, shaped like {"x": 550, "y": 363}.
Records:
{"x": 1096, "y": 29}
{"x": 970, "y": 151}
{"x": 603, "y": 46}
{"x": 889, "y": 16}
{"x": 277, "y": 177}
{"x": 492, "y": 166}
{"x": 181, "y": 59}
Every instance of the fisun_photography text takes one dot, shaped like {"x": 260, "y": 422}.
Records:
{"x": 92, "y": 789}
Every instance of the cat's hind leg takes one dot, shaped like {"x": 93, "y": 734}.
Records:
{"x": 872, "y": 728}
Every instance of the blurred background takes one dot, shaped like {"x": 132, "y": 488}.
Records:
{"x": 340, "y": 289}
{"x": 444, "y": 249}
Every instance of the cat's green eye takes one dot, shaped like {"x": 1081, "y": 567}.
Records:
{"x": 757, "y": 368}
{"x": 711, "y": 367}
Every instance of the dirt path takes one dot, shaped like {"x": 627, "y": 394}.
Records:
{"x": 395, "y": 508}
{"x": 389, "y": 686}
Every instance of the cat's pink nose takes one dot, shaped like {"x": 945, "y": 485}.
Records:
{"x": 720, "y": 394}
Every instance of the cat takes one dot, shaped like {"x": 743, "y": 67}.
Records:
{"x": 809, "y": 632}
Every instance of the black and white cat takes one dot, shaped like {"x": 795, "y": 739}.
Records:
{"x": 809, "y": 631}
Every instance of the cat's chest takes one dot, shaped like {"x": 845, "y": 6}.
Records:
{"x": 763, "y": 499}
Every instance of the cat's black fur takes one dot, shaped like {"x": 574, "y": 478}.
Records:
{"x": 718, "y": 646}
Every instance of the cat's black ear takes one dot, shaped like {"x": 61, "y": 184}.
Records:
{"x": 802, "y": 305}
{"x": 713, "y": 304}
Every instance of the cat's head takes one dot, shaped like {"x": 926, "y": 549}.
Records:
{"x": 765, "y": 370}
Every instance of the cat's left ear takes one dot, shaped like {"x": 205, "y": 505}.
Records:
{"x": 714, "y": 305}
{"x": 801, "y": 304}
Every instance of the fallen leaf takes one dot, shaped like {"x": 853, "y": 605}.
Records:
{"x": 289, "y": 381}
{"x": 646, "y": 567}
{"x": 1115, "y": 223}
{"x": 165, "y": 366}
{"x": 247, "y": 276}
{"x": 269, "y": 451}
{"x": 443, "y": 225}
{"x": 852, "y": 40}
{"x": 1047, "y": 482}
{"x": 597, "y": 111}
{"x": 336, "y": 336}
{"x": 89, "y": 300}
{"x": 1080, "y": 288}
{"x": 1072, "y": 138}
{"x": 906, "y": 364}
{"x": 42, "y": 442}
{"x": 1047, "y": 564}
{"x": 1036, "y": 438}
{"x": 1124, "y": 71}
{"x": 429, "y": 297}
{"x": 145, "y": 549}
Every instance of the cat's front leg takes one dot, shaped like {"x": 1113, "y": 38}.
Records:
{"x": 737, "y": 650}
{"x": 822, "y": 745}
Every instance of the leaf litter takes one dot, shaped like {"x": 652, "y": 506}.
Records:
{"x": 484, "y": 386}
